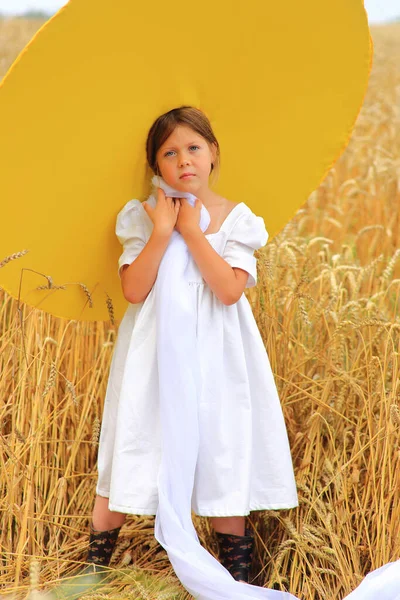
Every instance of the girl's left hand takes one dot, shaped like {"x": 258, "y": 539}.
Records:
{"x": 188, "y": 215}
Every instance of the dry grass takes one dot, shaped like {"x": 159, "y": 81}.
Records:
{"x": 327, "y": 305}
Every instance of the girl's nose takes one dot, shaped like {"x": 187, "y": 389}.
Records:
{"x": 183, "y": 161}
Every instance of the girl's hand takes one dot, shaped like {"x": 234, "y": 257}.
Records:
{"x": 165, "y": 213}
{"x": 188, "y": 216}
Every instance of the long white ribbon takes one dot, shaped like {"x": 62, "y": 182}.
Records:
{"x": 179, "y": 392}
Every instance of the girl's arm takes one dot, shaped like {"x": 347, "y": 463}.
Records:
{"x": 138, "y": 278}
{"x": 226, "y": 282}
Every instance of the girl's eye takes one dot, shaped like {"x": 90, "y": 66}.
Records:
{"x": 194, "y": 146}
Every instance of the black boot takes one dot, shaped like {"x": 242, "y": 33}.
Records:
{"x": 95, "y": 574}
{"x": 236, "y": 553}
{"x": 101, "y": 546}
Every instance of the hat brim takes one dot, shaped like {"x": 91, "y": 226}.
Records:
{"x": 282, "y": 84}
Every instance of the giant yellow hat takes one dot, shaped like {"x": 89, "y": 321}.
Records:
{"x": 282, "y": 84}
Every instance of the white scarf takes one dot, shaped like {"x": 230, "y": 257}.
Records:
{"x": 180, "y": 387}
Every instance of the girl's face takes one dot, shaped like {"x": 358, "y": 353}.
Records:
{"x": 185, "y": 151}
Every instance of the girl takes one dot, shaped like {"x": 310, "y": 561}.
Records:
{"x": 243, "y": 461}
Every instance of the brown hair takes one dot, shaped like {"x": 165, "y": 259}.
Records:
{"x": 165, "y": 124}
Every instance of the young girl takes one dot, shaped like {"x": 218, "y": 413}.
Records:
{"x": 243, "y": 461}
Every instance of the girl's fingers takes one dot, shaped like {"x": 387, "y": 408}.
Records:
{"x": 176, "y": 202}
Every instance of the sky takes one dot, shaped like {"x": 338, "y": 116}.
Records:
{"x": 379, "y": 11}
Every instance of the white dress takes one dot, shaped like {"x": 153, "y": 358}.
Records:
{"x": 244, "y": 460}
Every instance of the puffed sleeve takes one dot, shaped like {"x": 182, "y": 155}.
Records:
{"x": 247, "y": 235}
{"x": 130, "y": 232}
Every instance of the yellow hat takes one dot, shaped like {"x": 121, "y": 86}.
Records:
{"x": 282, "y": 85}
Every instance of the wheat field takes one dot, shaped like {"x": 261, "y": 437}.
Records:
{"x": 327, "y": 306}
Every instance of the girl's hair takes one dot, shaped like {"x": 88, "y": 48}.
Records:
{"x": 165, "y": 124}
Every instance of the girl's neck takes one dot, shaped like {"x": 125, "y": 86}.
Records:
{"x": 211, "y": 199}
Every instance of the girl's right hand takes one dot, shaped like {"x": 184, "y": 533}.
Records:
{"x": 165, "y": 213}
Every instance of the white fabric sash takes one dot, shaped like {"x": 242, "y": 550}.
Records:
{"x": 180, "y": 388}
